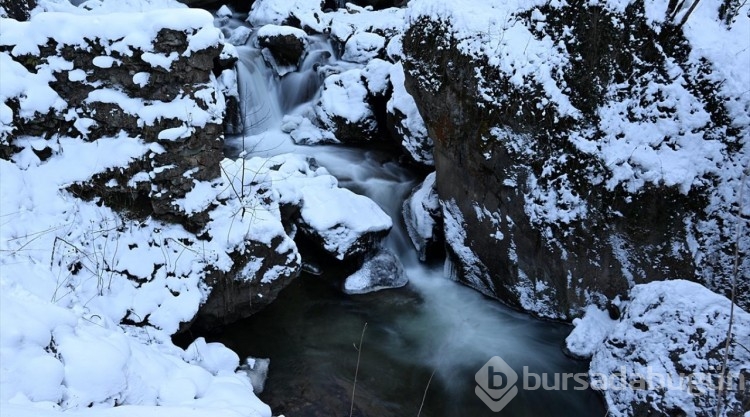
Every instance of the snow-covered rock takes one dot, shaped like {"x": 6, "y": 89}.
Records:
{"x": 379, "y": 272}
{"x": 590, "y": 332}
{"x": 344, "y": 109}
{"x": 284, "y": 46}
{"x": 405, "y": 122}
{"x": 304, "y": 132}
{"x": 282, "y": 12}
{"x": 664, "y": 356}
{"x": 120, "y": 225}
{"x": 422, "y": 216}
{"x": 582, "y": 165}
{"x": 362, "y": 47}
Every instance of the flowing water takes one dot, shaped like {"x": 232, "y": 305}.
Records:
{"x": 423, "y": 343}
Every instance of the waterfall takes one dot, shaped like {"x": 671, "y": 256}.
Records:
{"x": 258, "y": 90}
{"x": 432, "y": 325}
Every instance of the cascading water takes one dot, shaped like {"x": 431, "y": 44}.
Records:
{"x": 431, "y": 336}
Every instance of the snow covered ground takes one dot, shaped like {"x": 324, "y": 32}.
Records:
{"x": 90, "y": 297}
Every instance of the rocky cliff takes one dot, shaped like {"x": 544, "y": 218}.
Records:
{"x": 581, "y": 149}
{"x": 157, "y": 89}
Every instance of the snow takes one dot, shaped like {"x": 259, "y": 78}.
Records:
{"x": 269, "y": 31}
{"x": 32, "y": 89}
{"x": 419, "y": 210}
{"x": 304, "y": 132}
{"x": 224, "y": 11}
{"x": 363, "y": 47}
{"x": 670, "y": 329}
{"x": 121, "y": 32}
{"x": 278, "y": 11}
{"x": 377, "y": 76}
{"x": 344, "y": 96}
{"x": 590, "y": 332}
{"x": 416, "y": 140}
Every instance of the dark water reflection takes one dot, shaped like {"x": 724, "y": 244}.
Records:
{"x": 433, "y": 324}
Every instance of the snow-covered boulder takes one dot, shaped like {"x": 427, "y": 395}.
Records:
{"x": 336, "y": 220}
{"x": 422, "y": 216}
{"x": 664, "y": 356}
{"x": 381, "y": 271}
{"x": 284, "y": 46}
{"x": 341, "y": 222}
{"x": 363, "y": 47}
{"x": 239, "y": 35}
{"x": 304, "y": 132}
{"x": 344, "y": 108}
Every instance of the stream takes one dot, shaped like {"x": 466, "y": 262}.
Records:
{"x": 423, "y": 343}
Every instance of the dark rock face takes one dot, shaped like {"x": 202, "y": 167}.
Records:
{"x": 17, "y": 9}
{"x": 530, "y": 223}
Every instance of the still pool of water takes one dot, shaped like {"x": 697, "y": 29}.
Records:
{"x": 311, "y": 330}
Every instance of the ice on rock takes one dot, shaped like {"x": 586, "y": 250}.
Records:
{"x": 379, "y": 272}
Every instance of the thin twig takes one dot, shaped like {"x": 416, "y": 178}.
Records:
{"x": 735, "y": 272}
{"x": 425, "y": 392}
{"x": 356, "y": 371}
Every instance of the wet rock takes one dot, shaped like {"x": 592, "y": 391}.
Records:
{"x": 257, "y": 370}
{"x": 285, "y": 46}
{"x": 381, "y": 271}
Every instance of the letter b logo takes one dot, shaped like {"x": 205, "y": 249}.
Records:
{"x": 496, "y": 384}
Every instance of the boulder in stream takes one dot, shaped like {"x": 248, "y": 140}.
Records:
{"x": 283, "y": 47}
{"x": 381, "y": 271}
